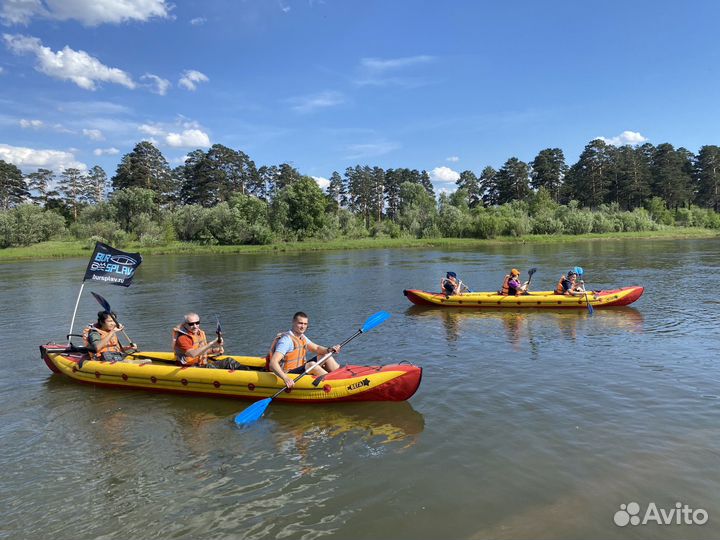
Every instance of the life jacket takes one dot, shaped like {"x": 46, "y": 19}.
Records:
{"x": 505, "y": 290}
{"x": 448, "y": 287}
{"x": 292, "y": 360}
{"x": 113, "y": 345}
{"x": 199, "y": 340}
{"x": 560, "y": 287}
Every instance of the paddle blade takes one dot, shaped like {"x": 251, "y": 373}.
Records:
{"x": 104, "y": 303}
{"x": 253, "y": 412}
{"x": 218, "y": 328}
{"x": 377, "y": 319}
{"x": 532, "y": 271}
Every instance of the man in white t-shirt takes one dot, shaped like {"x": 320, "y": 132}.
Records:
{"x": 288, "y": 353}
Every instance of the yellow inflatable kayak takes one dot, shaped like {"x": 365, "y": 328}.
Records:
{"x": 156, "y": 371}
{"x": 546, "y": 299}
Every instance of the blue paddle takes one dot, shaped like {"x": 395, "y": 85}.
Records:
{"x": 579, "y": 271}
{"x": 256, "y": 410}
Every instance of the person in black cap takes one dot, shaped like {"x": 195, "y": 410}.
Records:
{"x": 451, "y": 285}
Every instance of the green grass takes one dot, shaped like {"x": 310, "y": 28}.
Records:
{"x": 81, "y": 248}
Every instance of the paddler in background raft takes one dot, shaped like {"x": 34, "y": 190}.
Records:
{"x": 451, "y": 285}
{"x": 511, "y": 284}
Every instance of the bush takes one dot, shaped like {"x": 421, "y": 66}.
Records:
{"x": 108, "y": 232}
{"x": 517, "y": 225}
{"x": 29, "y": 224}
{"x": 485, "y": 225}
{"x": 545, "y": 223}
{"x": 191, "y": 224}
{"x": 578, "y": 222}
{"x": 605, "y": 224}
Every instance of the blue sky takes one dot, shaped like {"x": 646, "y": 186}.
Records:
{"x": 329, "y": 84}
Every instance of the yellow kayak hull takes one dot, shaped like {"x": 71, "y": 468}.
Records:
{"x": 546, "y": 299}
{"x": 155, "y": 371}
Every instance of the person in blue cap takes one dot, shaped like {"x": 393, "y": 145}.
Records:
{"x": 569, "y": 285}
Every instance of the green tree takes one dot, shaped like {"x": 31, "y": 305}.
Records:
{"x": 630, "y": 180}
{"x": 548, "y": 171}
{"x": 588, "y": 180}
{"x": 426, "y": 183}
{"x": 418, "y": 210}
{"x": 512, "y": 181}
{"x": 361, "y": 191}
{"x": 305, "y": 206}
{"x": 132, "y": 202}
{"x": 471, "y": 186}
{"x": 336, "y": 191}
{"x": 71, "y": 188}
{"x": 40, "y": 182}
{"x": 708, "y": 177}
{"x": 489, "y": 187}
{"x": 145, "y": 167}
{"x": 13, "y": 188}
{"x": 672, "y": 175}
{"x": 95, "y": 185}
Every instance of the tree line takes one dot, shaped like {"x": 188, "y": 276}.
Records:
{"x": 221, "y": 196}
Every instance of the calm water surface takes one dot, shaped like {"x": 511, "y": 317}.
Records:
{"x": 526, "y": 425}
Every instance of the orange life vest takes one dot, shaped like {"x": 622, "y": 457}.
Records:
{"x": 559, "y": 289}
{"x": 199, "y": 340}
{"x": 295, "y": 358}
{"x": 113, "y": 345}
{"x": 505, "y": 290}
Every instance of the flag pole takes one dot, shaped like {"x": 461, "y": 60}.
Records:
{"x": 77, "y": 302}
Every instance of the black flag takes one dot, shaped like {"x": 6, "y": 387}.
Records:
{"x": 112, "y": 265}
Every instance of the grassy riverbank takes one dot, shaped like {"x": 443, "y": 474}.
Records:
{"x": 77, "y": 248}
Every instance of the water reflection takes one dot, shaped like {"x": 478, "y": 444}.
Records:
{"x": 518, "y": 325}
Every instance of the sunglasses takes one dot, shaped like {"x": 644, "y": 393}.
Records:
{"x": 194, "y": 323}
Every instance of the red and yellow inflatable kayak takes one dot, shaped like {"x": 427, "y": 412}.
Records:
{"x": 546, "y": 299}
{"x": 155, "y": 371}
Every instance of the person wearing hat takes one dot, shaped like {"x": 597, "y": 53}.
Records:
{"x": 511, "y": 284}
{"x": 569, "y": 285}
{"x": 451, "y": 285}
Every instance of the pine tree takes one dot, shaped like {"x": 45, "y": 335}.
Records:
{"x": 671, "y": 175}
{"x": 40, "y": 182}
{"x": 708, "y": 177}
{"x": 469, "y": 182}
{"x": 588, "y": 180}
{"x": 13, "y": 188}
{"x": 71, "y": 188}
{"x": 147, "y": 168}
{"x": 95, "y": 185}
{"x": 489, "y": 187}
{"x": 336, "y": 191}
{"x": 548, "y": 171}
{"x": 513, "y": 181}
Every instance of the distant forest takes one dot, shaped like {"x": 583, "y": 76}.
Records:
{"x": 220, "y": 196}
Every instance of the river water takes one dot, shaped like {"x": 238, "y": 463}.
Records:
{"x": 526, "y": 425}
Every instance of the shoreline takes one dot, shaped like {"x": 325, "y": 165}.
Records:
{"x": 63, "y": 249}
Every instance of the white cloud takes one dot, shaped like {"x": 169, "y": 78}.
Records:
{"x": 197, "y": 21}
{"x": 112, "y": 151}
{"x": 321, "y": 181}
{"x": 158, "y": 85}
{"x": 30, "y": 158}
{"x": 444, "y": 174}
{"x": 366, "y": 150}
{"x": 379, "y": 64}
{"x": 322, "y": 100}
{"x": 626, "y": 137}
{"x": 94, "y": 134}
{"x": 35, "y": 124}
{"x": 88, "y": 12}
{"x": 68, "y": 64}
{"x": 153, "y": 130}
{"x": 189, "y": 138}
{"x": 453, "y": 159}
{"x": 1, "y": 70}
{"x": 391, "y": 71}
{"x": 190, "y": 79}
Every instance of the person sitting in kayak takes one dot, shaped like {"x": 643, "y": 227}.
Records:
{"x": 568, "y": 284}
{"x": 451, "y": 285}
{"x": 288, "y": 352}
{"x": 191, "y": 346}
{"x": 511, "y": 284}
{"x": 101, "y": 338}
